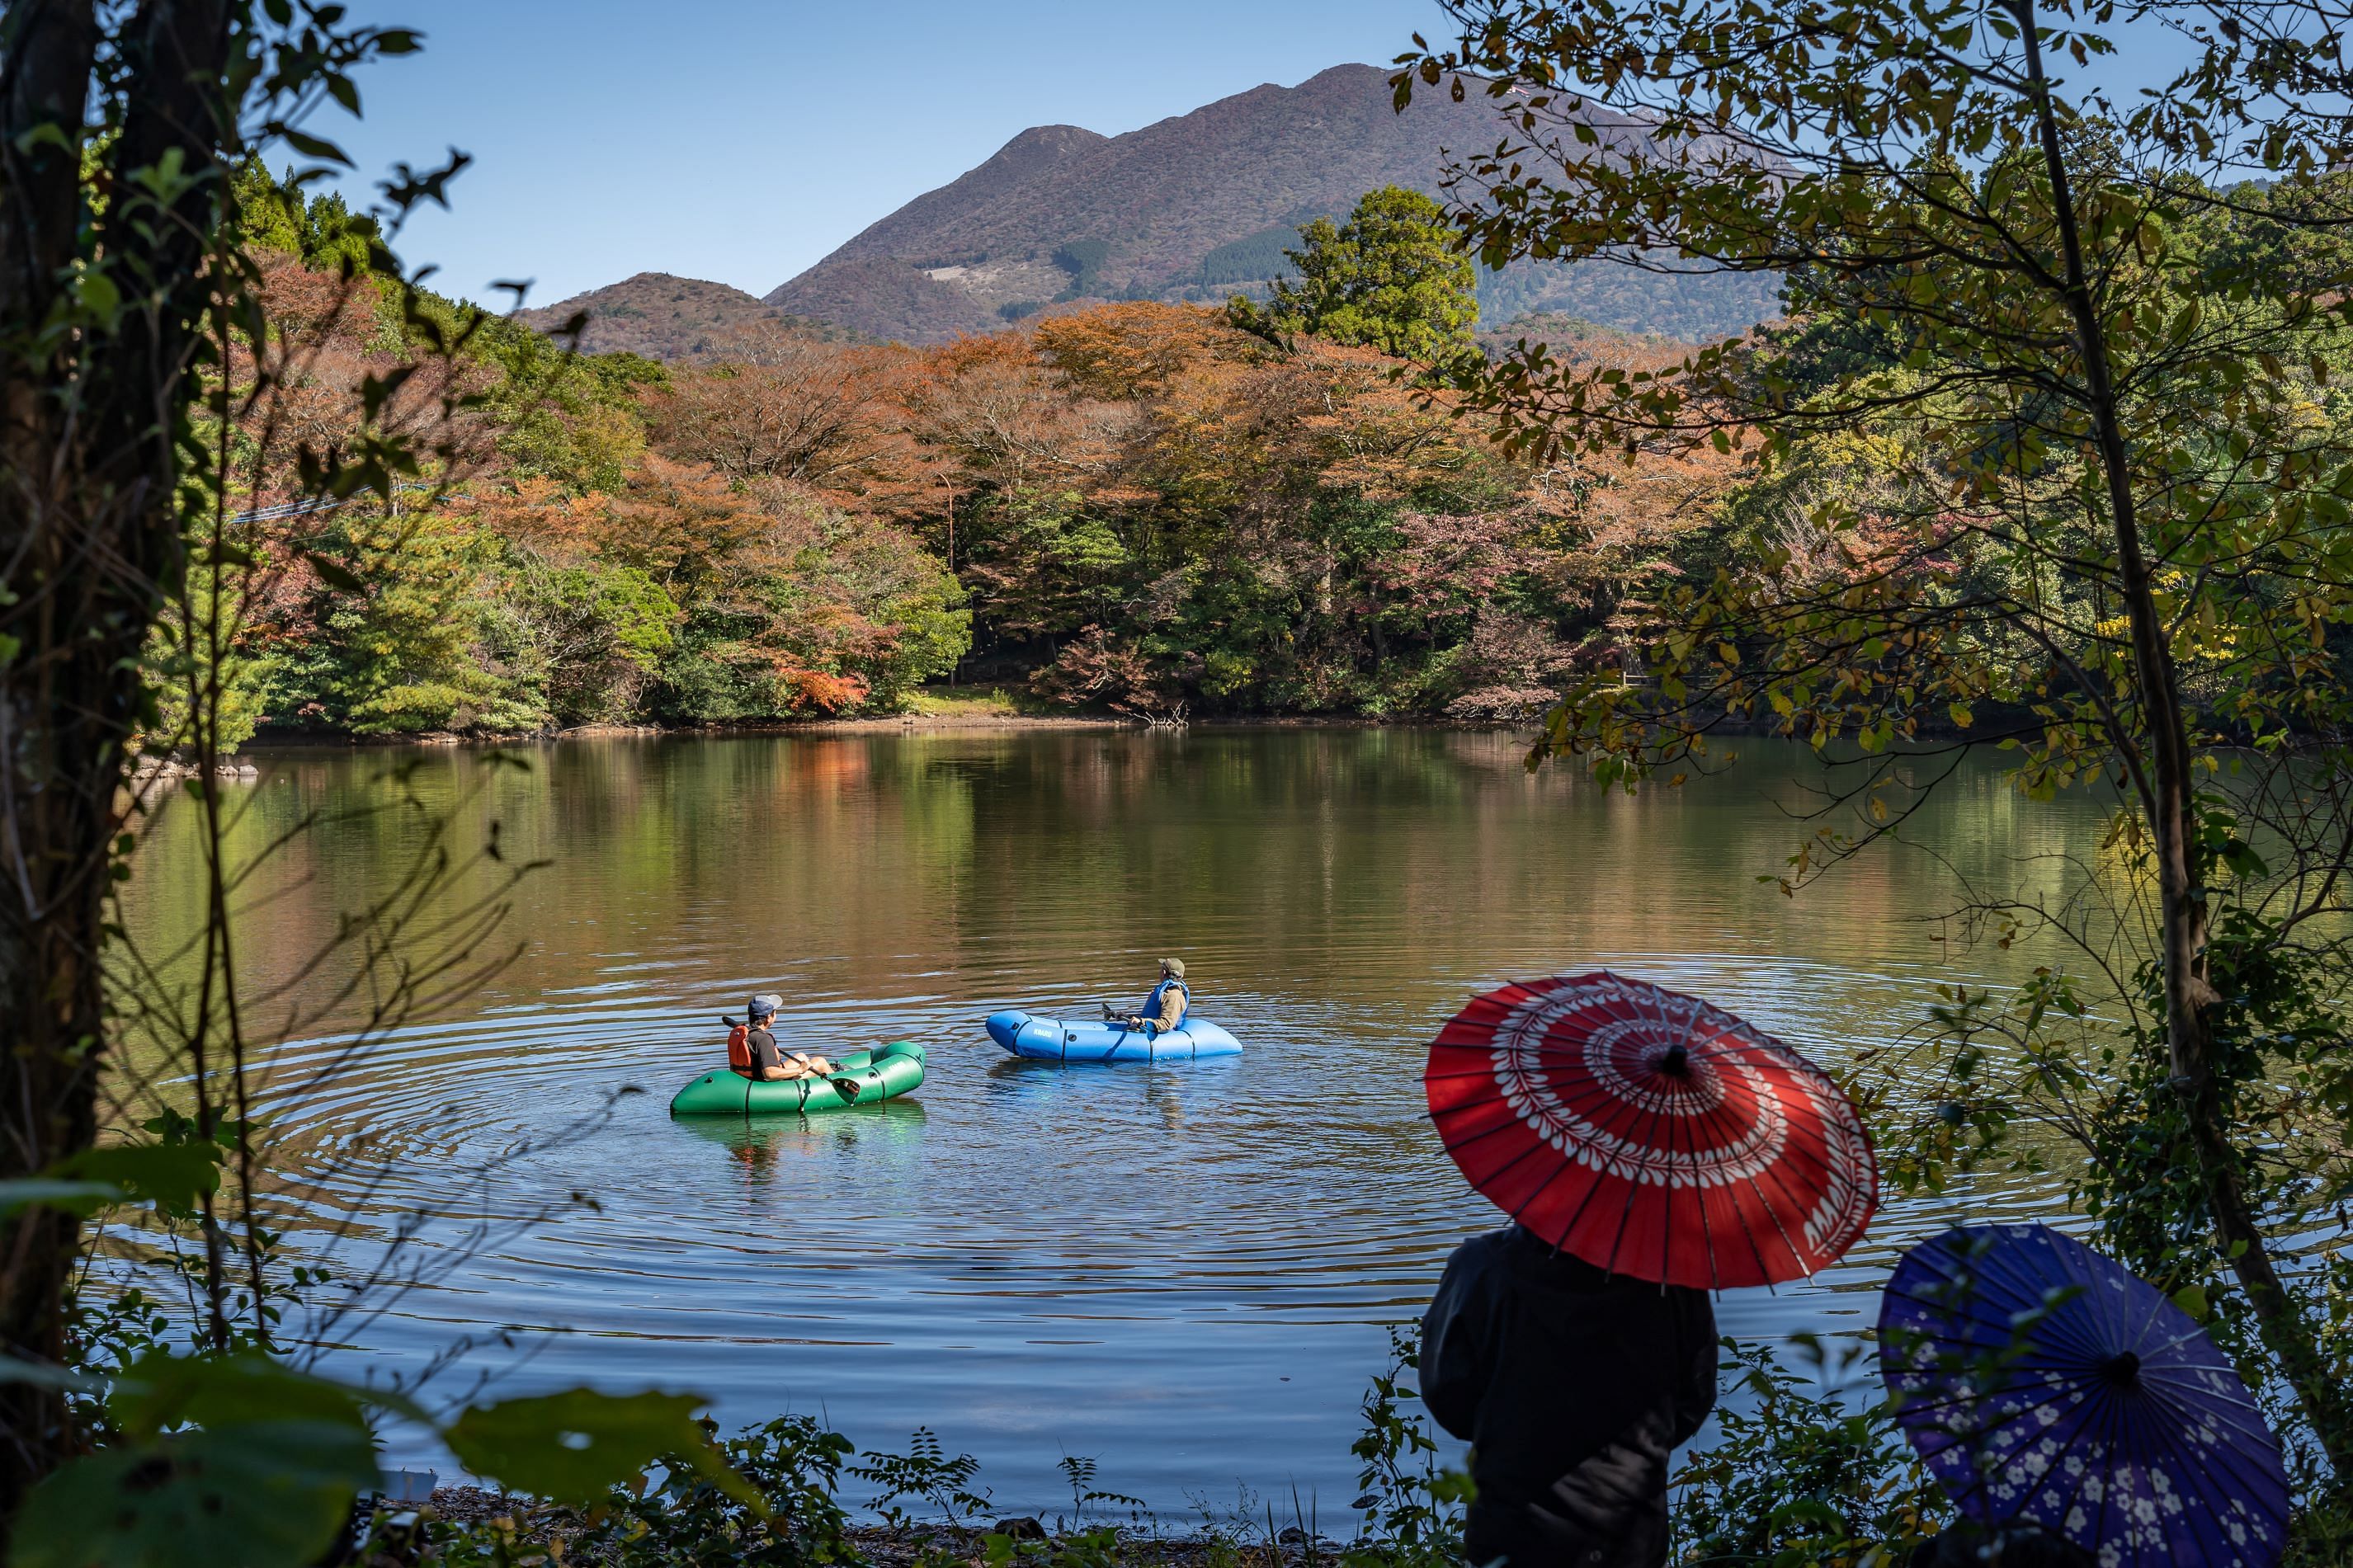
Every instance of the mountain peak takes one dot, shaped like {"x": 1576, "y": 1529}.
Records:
{"x": 1197, "y": 206}
{"x": 1043, "y": 144}
{"x": 668, "y": 318}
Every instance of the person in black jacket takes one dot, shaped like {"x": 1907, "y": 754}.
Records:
{"x": 1572, "y": 1386}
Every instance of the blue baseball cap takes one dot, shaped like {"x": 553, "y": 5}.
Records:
{"x": 764, "y": 1005}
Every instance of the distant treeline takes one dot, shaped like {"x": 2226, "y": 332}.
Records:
{"x": 1689, "y": 306}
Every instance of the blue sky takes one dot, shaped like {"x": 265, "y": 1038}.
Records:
{"x": 742, "y": 140}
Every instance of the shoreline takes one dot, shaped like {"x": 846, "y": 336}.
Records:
{"x": 926, "y": 1545}
{"x": 898, "y": 724}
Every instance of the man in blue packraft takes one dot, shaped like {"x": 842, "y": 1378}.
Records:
{"x": 1165, "y": 1009}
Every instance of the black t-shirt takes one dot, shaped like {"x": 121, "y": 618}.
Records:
{"x": 763, "y": 1047}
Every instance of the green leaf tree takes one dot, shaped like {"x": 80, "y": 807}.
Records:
{"x": 1393, "y": 278}
{"x": 2091, "y": 505}
{"x": 121, "y": 132}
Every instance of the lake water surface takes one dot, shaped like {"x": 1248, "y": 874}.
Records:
{"x": 1184, "y": 1273}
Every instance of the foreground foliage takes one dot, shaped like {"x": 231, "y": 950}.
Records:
{"x": 2054, "y": 460}
{"x": 936, "y": 1512}
{"x": 1808, "y": 1470}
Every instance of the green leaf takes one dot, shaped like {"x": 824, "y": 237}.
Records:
{"x": 14, "y": 1369}
{"x": 161, "y": 1391}
{"x": 171, "y": 1177}
{"x": 571, "y": 1446}
{"x": 334, "y": 574}
{"x": 312, "y": 146}
{"x": 50, "y": 1191}
{"x": 270, "y": 1494}
{"x": 48, "y": 131}
{"x": 264, "y": 1479}
{"x": 98, "y": 295}
{"x": 2192, "y": 1298}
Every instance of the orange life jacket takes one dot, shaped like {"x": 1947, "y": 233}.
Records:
{"x": 739, "y": 1048}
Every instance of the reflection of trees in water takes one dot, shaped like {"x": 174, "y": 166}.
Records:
{"x": 243, "y": 1073}
{"x": 1358, "y": 868}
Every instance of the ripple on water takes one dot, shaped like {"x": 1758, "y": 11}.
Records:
{"x": 1188, "y": 1271}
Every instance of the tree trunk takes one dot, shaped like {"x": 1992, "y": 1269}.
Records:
{"x": 48, "y": 988}
{"x": 90, "y": 534}
{"x": 2166, "y": 793}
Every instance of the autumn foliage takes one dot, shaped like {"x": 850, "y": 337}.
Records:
{"x": 1134, "y": 506}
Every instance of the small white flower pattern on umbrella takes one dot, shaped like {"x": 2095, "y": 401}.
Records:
{"x": 2041, "y": 1382}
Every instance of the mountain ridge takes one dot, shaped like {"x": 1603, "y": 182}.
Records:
{"x": 1193, "y": 206}
{"x": 666, "y": 317}
{"x": 1197, "y": 204}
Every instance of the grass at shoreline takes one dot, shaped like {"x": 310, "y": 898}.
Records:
{"x": 522, "y": 1528}
{"x": 979, "y": 703}
{"x": 779, "y": 1501}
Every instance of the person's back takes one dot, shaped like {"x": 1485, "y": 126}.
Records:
{"x": 1573, "y": 1387}
{"x": 753, "y": 1051}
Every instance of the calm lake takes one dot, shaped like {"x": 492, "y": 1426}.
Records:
{"x": 1184, "y": 1273}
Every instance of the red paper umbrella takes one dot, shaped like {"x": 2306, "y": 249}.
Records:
{"x": 1651, "y": 1133}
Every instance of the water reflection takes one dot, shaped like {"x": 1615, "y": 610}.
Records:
{"x": 768, "y": 1147}
{"x": 1184, "y": 1270}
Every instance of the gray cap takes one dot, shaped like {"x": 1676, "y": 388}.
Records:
{"x": 1175, "y": 966}
{"x": 764, "y": 1005}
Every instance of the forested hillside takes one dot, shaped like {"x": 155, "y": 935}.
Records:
{"x": 1131, "y": 507}
{"x": 667, "y": 318}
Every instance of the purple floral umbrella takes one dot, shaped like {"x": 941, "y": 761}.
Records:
{"x": 2043, "y": 1383}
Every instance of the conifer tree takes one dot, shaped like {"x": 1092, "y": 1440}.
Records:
{"x": 1391, "y": 277}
